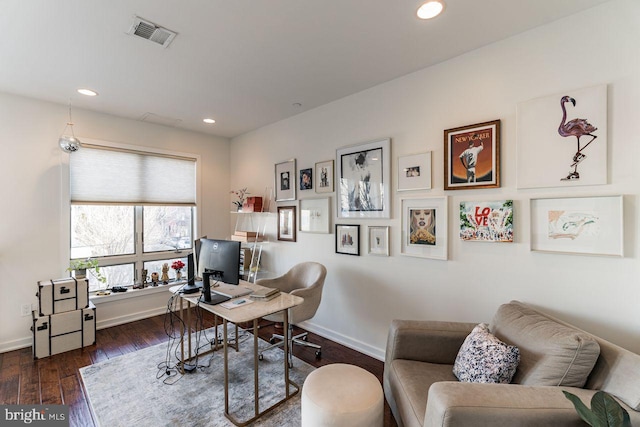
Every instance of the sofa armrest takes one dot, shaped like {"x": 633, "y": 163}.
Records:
{"x": 426, "y": 341}
{"x": 463, "y": 404}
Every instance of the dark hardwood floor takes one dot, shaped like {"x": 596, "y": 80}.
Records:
{"x": 56, "y": 379}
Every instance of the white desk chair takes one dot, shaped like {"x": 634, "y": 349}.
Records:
{"x": 305, "y": 280}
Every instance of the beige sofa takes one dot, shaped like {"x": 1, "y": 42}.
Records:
{"x": 554, "y": 356}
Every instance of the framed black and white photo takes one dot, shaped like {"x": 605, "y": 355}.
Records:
{"x": 306, "y": 179}
{"x": 363, "y": 181}
{"x": 414, "y": 172}
{"x": 314, "y": 215}
{"x": 324, "y": 177}
{"x": 285, "y": 176}
{"x": 379, "y": 240}
{"x": 287, "y": 223}
{"x": 348, "y": 239}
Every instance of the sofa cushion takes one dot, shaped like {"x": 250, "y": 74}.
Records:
{"x": 550, "y": 353}
{"x": 409, "y": 382}
{"x": 483, "y": 358}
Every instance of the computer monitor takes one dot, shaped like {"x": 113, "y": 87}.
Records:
{"x": 192, "y": 286}
{"x": 218, "y": 260}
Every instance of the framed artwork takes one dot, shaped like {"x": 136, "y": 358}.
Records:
{"x": 285, "y": 180}
{"x": 324, "y": 177}
{"x": 364, "y": 180}
{"x": 578, "y": 225}
{"x": 348, "y": 239}
{"x": 414, "y": 172}
{"x": 472, "y": 156}
{"x": 379, "y": 240}
{"x": 287, "y": 223}
{"x": 424, "y": 228}
{"x": 487, "y": 221}
{"x": 306, "y": 179}
{"x": 562, "y": 139}
{"x": 315, "y": 215}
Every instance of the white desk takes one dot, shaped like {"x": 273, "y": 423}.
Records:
{"x": 245, "y": 313}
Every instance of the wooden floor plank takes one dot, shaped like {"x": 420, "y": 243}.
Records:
{"x": 50, "y": 390}
{"x": 10, "y": 378}
{"x": 73, "y": 395}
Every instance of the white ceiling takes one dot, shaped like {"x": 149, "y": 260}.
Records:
{"x": 243, "y": 62}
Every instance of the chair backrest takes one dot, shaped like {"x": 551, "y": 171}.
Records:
{"x": 307, "y": 280}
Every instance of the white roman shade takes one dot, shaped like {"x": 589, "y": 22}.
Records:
{"x": 106, "y": 175}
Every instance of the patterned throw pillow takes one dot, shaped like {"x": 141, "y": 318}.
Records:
{"x": 483, "y": 358}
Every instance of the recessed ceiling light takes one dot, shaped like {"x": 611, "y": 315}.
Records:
{"x": 209, "y": 121}
{"x": 88, "y": 92}
{"x": 430, "y": 9}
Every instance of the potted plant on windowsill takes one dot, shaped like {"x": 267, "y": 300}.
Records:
{"x": 79, "y": 267}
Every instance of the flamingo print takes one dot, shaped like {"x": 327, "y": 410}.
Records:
{"x": 577, "y": 128}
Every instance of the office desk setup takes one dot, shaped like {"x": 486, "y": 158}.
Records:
{"x": 241, "y": 314}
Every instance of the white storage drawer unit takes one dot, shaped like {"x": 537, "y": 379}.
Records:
{"x": 57, "y": 333}
{"x": 58, "y": 296}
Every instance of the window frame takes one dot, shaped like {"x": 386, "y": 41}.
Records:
{"x": 139, "y": 257}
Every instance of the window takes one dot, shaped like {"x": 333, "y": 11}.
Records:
{"x": 140, "y": 222}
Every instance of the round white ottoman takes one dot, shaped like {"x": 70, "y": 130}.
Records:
{"x": 341, "y": 395}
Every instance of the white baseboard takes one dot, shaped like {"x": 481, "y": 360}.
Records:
{"x": 115, "y": 321}
{"x": 102, "y": 324}
{"x": 362, "y": 347}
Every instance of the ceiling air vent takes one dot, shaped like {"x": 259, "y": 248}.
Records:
{"x": 150, "y": 31}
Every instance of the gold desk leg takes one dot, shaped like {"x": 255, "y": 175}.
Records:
{"x": 226, "y": 366}
{"x": 182, "y": 371}
{"x": 285, "y": 334}
{"x": 288, "y": 382}
{"x": 255, "y": 368}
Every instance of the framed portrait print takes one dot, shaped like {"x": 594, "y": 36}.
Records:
{"x": 578, "y": 225}
{"x": 379, "y": 240}
{"x": 306, "y": 179}
{"x": 487, "y": 221}
{"x": 315, "y": 215}
{"x": 562, "y": 139}
{"x": 287, "y": 223}
{"x": 363, "y": 180}
{"x": 424, "y": 228}
{"x": 324, "y": 177}
{"x": 414, "y": 172}
{"x": 472, "y": 156}
{"x": 348, "y": 239}
{"x": 285, "y": 180}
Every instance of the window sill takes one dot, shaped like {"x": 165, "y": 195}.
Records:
{"x": 133, "y": 293}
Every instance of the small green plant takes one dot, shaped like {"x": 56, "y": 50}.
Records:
{"x": 88, "y": 264}
{"x": 605, "y": 410}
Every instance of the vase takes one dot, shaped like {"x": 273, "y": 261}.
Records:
{"x": 178, "y": 274}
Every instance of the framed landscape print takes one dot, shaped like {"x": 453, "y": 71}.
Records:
{"x": 414, "y": 172}
{"x": 486, "y": 221}
{"x": 287, "y": 223}
{"x": 424, "y": 228}
{"x": 285, "y": 180}
{"x": 578, "y": 225}
{"x": 315, "y": 215}
{"x": 562, "y": 139}
{"x": 348, "y": 239}
{"x": 472, "y": 156}
{"x": 324, "y": 177}
{"x": 379, "y": 240}
{"x": 363, "y": 182}
{"x": 306, "y": 179}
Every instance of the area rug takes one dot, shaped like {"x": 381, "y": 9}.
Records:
{"x": 134, "y": 390}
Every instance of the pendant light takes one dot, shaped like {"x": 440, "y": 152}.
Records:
{"x": 67, "y": 143}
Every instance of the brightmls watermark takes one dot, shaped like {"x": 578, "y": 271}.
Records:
{"x": 34, "y": 415}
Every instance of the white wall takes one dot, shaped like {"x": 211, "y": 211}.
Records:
{"x": 363, "y": 294}
{"x": 34, "y": 224}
